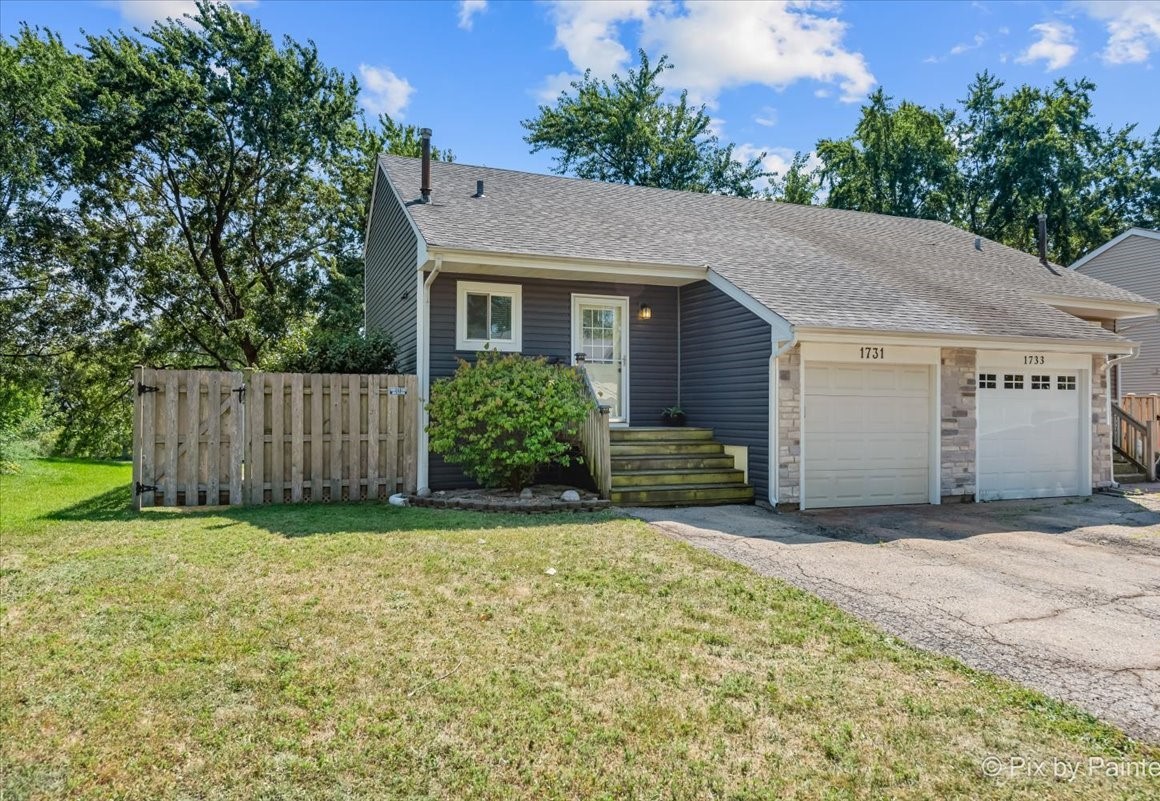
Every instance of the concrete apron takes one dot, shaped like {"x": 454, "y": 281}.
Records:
{"x": 1060, "y": 595}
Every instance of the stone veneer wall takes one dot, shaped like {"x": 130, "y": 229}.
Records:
{"x": 1101, "y": 426}
{"x": 958, "y": 423}
{"x": 789, "y": 427}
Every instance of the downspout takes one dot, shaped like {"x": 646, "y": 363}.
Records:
{"x": 424, "y": 355}
{"x": 774, "y": 456}
{"x": 1108, "y": 363}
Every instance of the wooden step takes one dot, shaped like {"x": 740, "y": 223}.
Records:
{"x": 694, "y": 462}
{"x": 660, "y": 434}
{"x": 652, "y": 478}
{"x": 684, "y": 495}
{"x": 707, "y": 448}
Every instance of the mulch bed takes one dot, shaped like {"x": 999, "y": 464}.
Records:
{"x": 545, "y": 498}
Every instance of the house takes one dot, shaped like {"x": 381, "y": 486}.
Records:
{"x": 1132, "y": 261}
{"x": 823, "y": 357}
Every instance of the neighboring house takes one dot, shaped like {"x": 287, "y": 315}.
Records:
{"x": 840, "y": 358}
{"x": 1132, "y": 261}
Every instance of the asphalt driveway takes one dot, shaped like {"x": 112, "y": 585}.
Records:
{"x": 1060, "y": 595}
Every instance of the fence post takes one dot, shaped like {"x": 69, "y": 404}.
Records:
{"x": 138, "y": 439}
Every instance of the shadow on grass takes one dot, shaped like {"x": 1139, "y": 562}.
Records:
{"x": 114, "y": 504}
{"x": 304, "y": 520}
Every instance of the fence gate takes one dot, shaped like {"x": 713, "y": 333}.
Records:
{"x": 206, "y": 438}
{"x": 187, "y": 437}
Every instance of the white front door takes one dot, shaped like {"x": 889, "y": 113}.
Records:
{"x": 1029, "y": 433}
{"x": 600, "y": 333}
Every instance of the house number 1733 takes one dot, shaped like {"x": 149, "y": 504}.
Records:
{"x": 872, "y": 353}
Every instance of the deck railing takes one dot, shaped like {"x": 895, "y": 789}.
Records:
{"x": 1132, "y": 439}
{"x": 595, "y": 444}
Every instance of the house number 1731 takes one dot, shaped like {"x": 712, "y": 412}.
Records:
{"x": 872, "y": 353}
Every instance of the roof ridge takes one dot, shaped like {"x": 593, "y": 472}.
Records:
{"x": 686, "y": 192}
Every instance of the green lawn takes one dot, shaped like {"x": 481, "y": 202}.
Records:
{"x": 371, "y": 652}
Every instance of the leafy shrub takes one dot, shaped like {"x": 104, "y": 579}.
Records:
{"x": 505, "y": 417}
{"x": 338, "y": 353}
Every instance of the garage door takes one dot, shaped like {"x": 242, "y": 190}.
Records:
{"x": 866, "y": 435}
{"x": 1029, "y": 434}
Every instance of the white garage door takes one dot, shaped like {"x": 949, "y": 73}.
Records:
{"x": 1029, "y": 429}
{"x": 867, "y": 435}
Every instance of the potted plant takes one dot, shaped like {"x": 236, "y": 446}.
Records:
{"x": 673, "y": 416}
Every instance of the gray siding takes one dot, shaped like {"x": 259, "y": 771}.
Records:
{"x": 725, "y": 350}
{"x": 1134, "y": 264}
{"x": 547, "y": 331}
{"x": 392, "y": 252}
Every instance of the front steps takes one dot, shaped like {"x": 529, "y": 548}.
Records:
{"x": 673, "y": 467}
{"x": 1123, "y": 471}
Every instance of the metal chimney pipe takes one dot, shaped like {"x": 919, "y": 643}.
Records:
{"x": 425, "y": 181}
{"x": 1042, "y": 238}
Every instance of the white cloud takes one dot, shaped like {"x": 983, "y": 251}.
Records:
{"x": 717, "y": 45}
{"x": 1055, "y": 46}
{"x": 384, "y": 92}
{"x": 1133, "y": 29}
{"x": 146, "y": 12}
{"x": 962, "y": 47}
{"x": 468, "y": 9}
{"x": 766, "y": 117}
{"x": 776, "y": 160}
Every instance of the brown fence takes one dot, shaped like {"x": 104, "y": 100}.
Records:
{"x": 1146, "y": 409}
{"x": 204, "y": 437}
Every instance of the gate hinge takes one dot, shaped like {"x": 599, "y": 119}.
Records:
{"x": 143, "y": 388}
{"x": 143, "y": 488}
{"x": 241, "y": 392}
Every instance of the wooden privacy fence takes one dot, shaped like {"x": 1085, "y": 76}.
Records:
{"x": 1146, "y": 409}
{"x": 204, "y": 437}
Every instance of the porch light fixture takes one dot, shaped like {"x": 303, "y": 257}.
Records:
{"x": 645, "y": 312}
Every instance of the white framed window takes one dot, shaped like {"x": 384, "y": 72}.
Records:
{"x": 488, "y": 316}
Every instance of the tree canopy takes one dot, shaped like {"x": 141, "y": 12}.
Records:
{"x": 623, "y": 131}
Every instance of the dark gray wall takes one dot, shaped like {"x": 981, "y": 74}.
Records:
{"x": 547, "y": 331}
{"x": 725, "y": 351}
{"x": 392, "y": 249}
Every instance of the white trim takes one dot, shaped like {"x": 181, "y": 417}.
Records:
{"x": 936, "y": 432}
{"x": 781, "y": 326}
{"x": 514, "y": 291}
{"x": 1030, "y": 362}
{"x": 860, "y": 353}
{"x": 1111, "y": 243}
{"x": 624, "y": 303}
{"x": 529, "y": 264}
{"x": 801, "y": 433}
{"x": 980, "y": 343}
{"x": 1115, "y": 309}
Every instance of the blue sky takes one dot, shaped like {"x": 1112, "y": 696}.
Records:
{"x": 777, "y": 77}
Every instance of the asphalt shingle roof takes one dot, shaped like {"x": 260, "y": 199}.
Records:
{"x": 814, "y": 266}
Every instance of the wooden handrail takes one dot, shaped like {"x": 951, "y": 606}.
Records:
{"x": 1132, "y": 440}
{"x": 595, "y": 444}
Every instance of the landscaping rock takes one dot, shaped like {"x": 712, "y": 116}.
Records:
{"x": 526, "y": 494}
{"x": 424, "y": 492}
{"x": 570, "y": 495}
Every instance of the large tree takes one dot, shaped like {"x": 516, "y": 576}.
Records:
{"x": 1038, "y": 150}
{"x": 212, "y": 190}
{"x": 623, "y": 131}
{"x": 900, "y": 160}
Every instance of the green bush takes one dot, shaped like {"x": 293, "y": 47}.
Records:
{"x": 338, "y": 353}
{"x": 505, "y": 417}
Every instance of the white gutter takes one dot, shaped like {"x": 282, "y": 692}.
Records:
{"x": 774, "y": 460}
{"x": 423, "y": 356}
